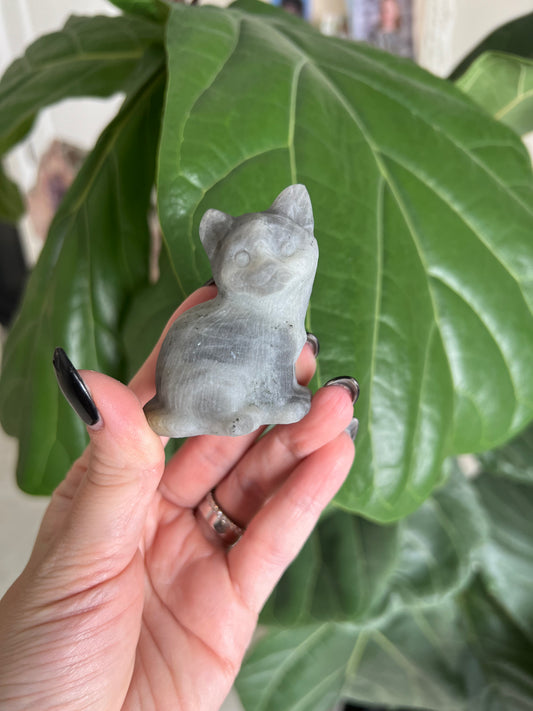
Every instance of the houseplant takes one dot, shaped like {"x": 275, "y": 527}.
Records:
{"x": 424, "y": 291}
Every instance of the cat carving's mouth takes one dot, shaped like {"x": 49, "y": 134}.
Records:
{"x": 266, "y": 273}
{"x": 269, "y": 277}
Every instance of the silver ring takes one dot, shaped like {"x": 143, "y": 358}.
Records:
{"x": 226, "y": 529}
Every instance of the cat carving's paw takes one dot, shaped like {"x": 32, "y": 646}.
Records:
{"x": 296, "y": 408}
{"x": 241, "y": 424}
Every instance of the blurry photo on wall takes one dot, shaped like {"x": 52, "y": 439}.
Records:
{"x": 386, "y": 24}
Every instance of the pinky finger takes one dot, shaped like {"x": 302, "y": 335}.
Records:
{"x": 277, "y": 533}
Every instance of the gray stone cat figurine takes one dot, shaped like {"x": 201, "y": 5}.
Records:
{"x": 226, "y": 366}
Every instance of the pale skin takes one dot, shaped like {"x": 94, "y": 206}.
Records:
{"x": 129, "y": 601}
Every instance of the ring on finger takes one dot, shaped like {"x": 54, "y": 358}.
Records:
{"x": 218, "y": 521}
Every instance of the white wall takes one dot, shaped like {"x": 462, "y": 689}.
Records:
{"x": 476, "y": 19}
{"x": 449, "y": 29}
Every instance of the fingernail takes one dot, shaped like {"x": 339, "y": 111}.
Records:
{"x": 74, "y": 389}
{"x": 314, "y": 343}
{"x": 346, "y": 382}
{"x": 209, "y": 282}
{"x": 353, "y": 428}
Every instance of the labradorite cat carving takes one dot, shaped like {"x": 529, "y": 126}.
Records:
{"x": 226, "y": 366}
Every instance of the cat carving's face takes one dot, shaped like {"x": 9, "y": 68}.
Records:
{"x": 262, "y": 253}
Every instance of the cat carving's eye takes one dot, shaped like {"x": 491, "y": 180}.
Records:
{"x": 287, "y": 249}
{"x": 242, "y": 258}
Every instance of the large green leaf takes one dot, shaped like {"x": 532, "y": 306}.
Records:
{"x": 514, "y": 460}
{"x": 342, "y": 572}
{"x": 469, "y": 651}
{"x": 458, "y": 656}
{"x": 147, "y": 314}
{"x": 152, "y": 9}
{"x": 507, "y": 555}
{"x": 356, "y": 570}
{"x": 503, "y": 85}
{"x": 498, "y": 668}
{"x": 462, "y": 655}
{"x": 89, "y": 56}
{"x": 95, "y": 257}
{"x": 297, "y": 670}
{"x": 423, "y": 218}
{"x": 413, "y": 661}
{"x": 11, "y": 202}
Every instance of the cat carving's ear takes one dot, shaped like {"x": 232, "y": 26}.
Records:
{"x": 294, "y": 202}
{"x": 214, "y": 226}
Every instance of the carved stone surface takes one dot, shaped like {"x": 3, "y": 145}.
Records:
{"x": 226, "y": 366}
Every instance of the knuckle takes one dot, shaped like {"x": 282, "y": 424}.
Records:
{"x": 305, "y": 505}
{"x": 274, "y": 555}
{"x": 255, "y": 490}
{"x": 116, "y": 464}
{"x": 293, "y": 442}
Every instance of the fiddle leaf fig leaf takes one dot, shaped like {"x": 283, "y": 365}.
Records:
{"x": 342, "y": 573}
{"x": 152, "y": 9}
{"x": 507, "y": 555}
{"x": 11, "y": 202}
{"x": 423, "y": 215}
{"x": 440, "y": 545}
{"x": 90, "y": 56}
{"x": 297, "y": 669}
{"x": 497, "y": 671}
{"x": 410, "y": 661}
{"x": 462, "y": 654}
{"x": 503, "y": 85}
{"x": 95, "y": 257}
{"x": 514, "y": 459}
{"x": 355, "y": 570}
{"x": 470, "y": 648}
{"x": 146, "y": 316}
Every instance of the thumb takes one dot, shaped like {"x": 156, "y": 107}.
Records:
{"x": 121, "y": 468}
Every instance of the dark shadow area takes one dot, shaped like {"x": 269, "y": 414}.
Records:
{"x": 13, "y": 272}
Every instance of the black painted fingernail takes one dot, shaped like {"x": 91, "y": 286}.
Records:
{"x": 346, "y": 382}
{"x": 314, "y": 343}
{"x": 353, "y": 428}
{"x": 74, "y": 389}
{"x": 209, "y": 282}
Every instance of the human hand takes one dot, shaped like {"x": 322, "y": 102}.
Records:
{"x": 130, "y": 600}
